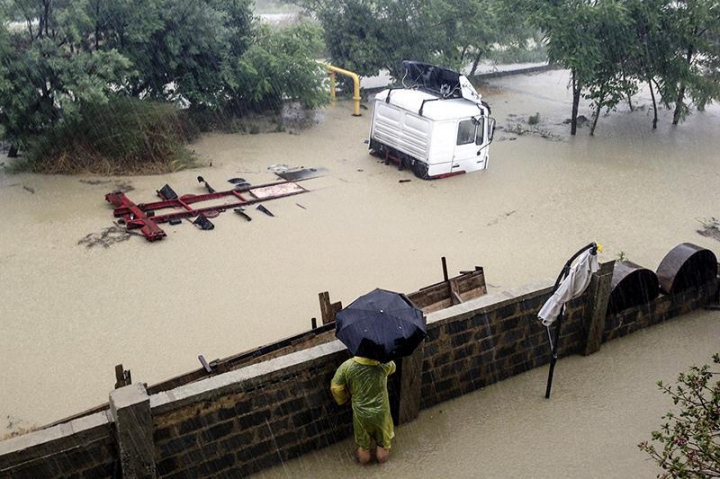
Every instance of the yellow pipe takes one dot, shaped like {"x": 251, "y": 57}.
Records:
{"x": 356, "y": 86}
{"x": 332, "y": 88}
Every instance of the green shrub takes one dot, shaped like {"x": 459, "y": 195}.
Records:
{"x": 534, "y": 119}
{"x": 122, "y": 136}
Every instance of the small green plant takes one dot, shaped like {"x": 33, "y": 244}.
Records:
{"x": 710, "y": 224}
{"x": 534, "y": 119}
{"x": 688, "y": 439}
{"x": 622, "y": 256}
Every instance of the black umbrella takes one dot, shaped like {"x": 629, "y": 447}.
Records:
{"x": 381, "y": 325}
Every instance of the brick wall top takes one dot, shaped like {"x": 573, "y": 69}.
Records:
{"x": 244, "y": 378}
{"x": 45, "y": 442}
{"x": 250, "y": 376}
{"x": 491, "y": 302}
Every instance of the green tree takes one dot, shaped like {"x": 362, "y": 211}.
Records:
{"x": 594, "y": 39}
{"x": 49, "y": 70}
{"x": 688, "y": 442}
{"x": 695, "y": 70}
{"x": 571, "y": 41}
{"x": 205, "y": 54}
{"x": 185, "y": 44}
{"x": 610, "y": 79}
{"x": 278, "y": 66}
{"x": 368, "y": 36}
{"x": 650, "y": 50}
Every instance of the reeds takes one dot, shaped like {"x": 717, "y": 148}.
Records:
{"x": 121, "y": 137}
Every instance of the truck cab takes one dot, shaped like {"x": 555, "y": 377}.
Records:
{"x": 438, "y": 125}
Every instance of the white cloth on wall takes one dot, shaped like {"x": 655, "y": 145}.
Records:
{"x": 572, "y": 286}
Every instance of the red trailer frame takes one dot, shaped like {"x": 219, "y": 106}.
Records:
{"x": 143, "y": 216}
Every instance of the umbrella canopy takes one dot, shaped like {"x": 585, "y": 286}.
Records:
{"x": 574, "y": 284}
{"x": 380, "y": 325}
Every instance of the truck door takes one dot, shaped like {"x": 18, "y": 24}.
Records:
{"x": 470, "y": 154}
{"x": 486, "y": 130}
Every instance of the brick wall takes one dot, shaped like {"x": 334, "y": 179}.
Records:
{"x": 237, "y": 423}
{"x": 260, "y": 419}
{"x": 658, "y": 310}
{"x": 498, "y": 338}
{"x": 82, "y": 448}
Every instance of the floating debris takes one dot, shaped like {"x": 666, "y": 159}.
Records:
{"x": 265, "y": 210}
{"x": 107, "y": 237}
{"x": 203, "y": 223}
{"x": 241, "y": 212}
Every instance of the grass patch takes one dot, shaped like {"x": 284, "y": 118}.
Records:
{"x": 124, "y": 136}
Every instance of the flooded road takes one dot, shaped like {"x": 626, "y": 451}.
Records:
{"x": 601, "y": 407}
{"x": 70, "y": 312}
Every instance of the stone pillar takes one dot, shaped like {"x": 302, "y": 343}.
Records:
{"x": 130, "y": 407}
{"x": 409, "y": 382}
{"x": 598, "y": 296}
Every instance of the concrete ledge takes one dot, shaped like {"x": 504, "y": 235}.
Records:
{"x": 240, "y": 379}
{"x": 57, "y": 438}
{"x": 491, "y": 302}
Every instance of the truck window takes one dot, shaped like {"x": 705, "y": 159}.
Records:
{"x": 479, "y": 136}
{"x": 466, "y": 132}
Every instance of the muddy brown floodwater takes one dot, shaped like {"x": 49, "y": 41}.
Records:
{"x": 72, "y": 309}
{"x": 601, "y": 407}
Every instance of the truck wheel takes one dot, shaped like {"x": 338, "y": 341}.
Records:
{"x": 421, "y": 170}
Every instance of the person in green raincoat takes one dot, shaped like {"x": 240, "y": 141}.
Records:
{"x": 365, "y": 382}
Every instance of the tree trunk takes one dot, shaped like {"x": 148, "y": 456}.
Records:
{"x": 681, "y": 93}
{"x": 576, "y": 102}
{"x": 598, "y": 110}
{"x": 463, "y": 52}
{"x": 652, "y": 95}
{"x": 629, "y": 98}
{"x": 13, "y": 151}
{"x": 476, "y": 61}
{"x": 97, "y": 26}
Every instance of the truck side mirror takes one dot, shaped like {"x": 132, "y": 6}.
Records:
{"x": 491, "y": 129}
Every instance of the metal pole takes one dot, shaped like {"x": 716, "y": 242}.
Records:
{"x": 554, "y": 357}
{"x": 556, "y": 339}
{"x": 444, "y": 265}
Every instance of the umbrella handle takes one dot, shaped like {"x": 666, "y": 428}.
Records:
{"x": 593, "y": 247}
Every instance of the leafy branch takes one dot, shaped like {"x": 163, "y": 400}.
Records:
{"x": 688, "y": 442}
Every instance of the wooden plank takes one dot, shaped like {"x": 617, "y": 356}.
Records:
{"x": 439, "y": 296}
{"x": 454, "y": 291}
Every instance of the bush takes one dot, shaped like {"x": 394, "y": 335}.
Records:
{"x": 278, "y": 67}
{"x": 534, "y": 119}
{"x": 122, "y": 136}
{"x": 687, "y": 442}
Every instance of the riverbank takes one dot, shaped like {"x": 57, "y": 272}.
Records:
{"x": 74, "y": 312}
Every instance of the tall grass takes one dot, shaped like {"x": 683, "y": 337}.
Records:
{"x": 123, "y": 136}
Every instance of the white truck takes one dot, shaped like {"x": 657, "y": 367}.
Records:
{"x": 438, "y": 126}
